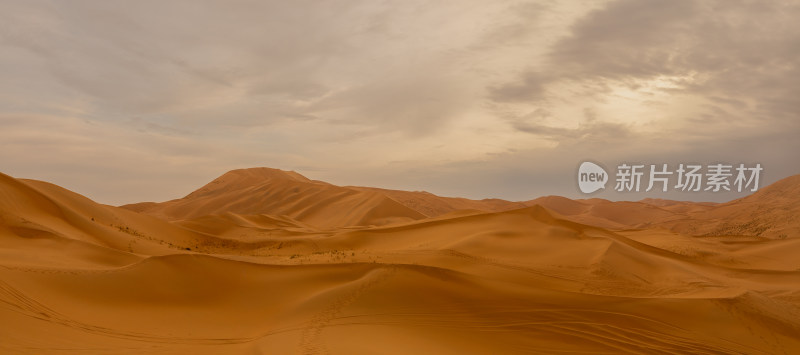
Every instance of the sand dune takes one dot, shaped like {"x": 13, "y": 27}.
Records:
{"x": 263, "y": 261}
{"x": 277, "y": 192}
{"x": 607, "y": 214}
{"x": 433, "y": 206}
{"x": 769, "y": 213}
{"x": 772, "y": 212}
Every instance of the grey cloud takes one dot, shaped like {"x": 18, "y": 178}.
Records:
{"x": 127, "y": 57}
{"x": 417, "y": 104}
{"x": 149, "y": 126}
{"x": 741, "y": 54}
{"x": 590, "y": 129}
{"x": 256, "y": 63}
{"x": 627, "y": 38}
{"x": 520, "y": 23}
{"x": 643, "y": 39}
{"x": 531, "y": 87}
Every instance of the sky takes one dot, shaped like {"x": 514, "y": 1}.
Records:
{"x": 129, "y": 101}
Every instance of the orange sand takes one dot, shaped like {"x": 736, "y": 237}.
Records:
{"x": 263, "y": 261}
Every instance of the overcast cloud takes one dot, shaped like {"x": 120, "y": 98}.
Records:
{"x": 127, "y": 101}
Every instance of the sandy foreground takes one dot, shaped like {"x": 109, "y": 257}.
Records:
{"x": 263, "y": 261}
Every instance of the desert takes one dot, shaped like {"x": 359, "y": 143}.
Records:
{"x": 265, "y": 261}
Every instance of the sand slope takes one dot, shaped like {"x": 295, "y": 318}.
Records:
{"x": 772, "y": 212}
{"x": 278, "y": 263}
{"x": 43, "y": 224}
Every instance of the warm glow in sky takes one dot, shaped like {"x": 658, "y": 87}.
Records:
{"x": 147, "y": 100}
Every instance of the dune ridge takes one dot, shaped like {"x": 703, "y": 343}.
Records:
{"x": 276, "y": 192}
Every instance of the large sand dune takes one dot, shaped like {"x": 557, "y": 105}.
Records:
{"x": 272, "y": 191}
{"x": 263, "y": 261}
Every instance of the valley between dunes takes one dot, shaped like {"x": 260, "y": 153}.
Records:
{"x": 264, "y": 261}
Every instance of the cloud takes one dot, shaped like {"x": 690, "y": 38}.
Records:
{"x": 628, "y": 38}
{"x": 717, "y": 67}
{"x": 590, "y": 129}
{"x": 530, "y": 87}
{"x": 102, "y": 93}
